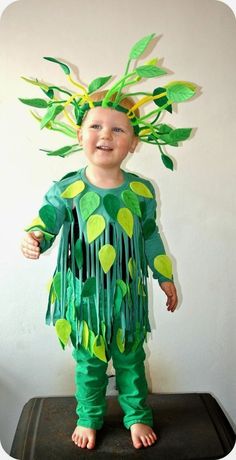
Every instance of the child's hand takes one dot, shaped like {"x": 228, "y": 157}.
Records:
{"x": 169, "y": 289}
{"x": 30, "y": 245}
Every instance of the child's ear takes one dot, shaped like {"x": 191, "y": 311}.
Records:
{"x": 134, "y": 144}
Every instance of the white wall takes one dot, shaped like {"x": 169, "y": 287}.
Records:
{"x": 192, "y": 350}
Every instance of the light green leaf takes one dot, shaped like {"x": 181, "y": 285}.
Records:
{"x": 99, "y": 350}
{"x": 85, "y": 335}
{"x": 36, "y": 102}
{"x": 88, "y": 203}
{"x": 180, "y": 134}
{"x": 123, "y": 286}
{"x": 36, "y": 83}
{"x": 179, "y": 91}
{"x": 163, "y": 265}
{"x": 132, "y": 267}
{"x": 150, "y": 71}
{"x": 63, "y": 151}
{"x": 91, "y": 341}
{"x": 118, "y": 300}
{"x": 139, "y": 47}
{"x": 98, "y": 83}
{"x": 126, "y": 220}
{"x": 95, "y": 226}
{"x": 107, "y": 255}
{"x": 51, "y": 114}
{"x": 131, "y": 201}
{"x": 141, "y": 189}
{"x": 63, "y": 330}
{"x": 64, "y": 67}
{"x": 73, "y": 189}
{"x": 119, "y": 341}
{"x": 79, "y": 253}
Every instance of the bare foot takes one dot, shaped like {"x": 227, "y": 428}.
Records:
{"x": 84, "y": 437}
{"x": 142, "y": 435}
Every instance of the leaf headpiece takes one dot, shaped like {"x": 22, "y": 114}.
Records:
{"x": 74, "y": 105}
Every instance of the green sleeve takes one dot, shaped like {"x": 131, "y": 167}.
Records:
{"x": 50, "y": 218}
{"x": 154, "y": 247}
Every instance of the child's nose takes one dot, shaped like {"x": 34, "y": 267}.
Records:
{"x": 106, "y": 133}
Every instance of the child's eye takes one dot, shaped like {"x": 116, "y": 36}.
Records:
{"x": 118, "y": 130}
{"x": 95, "y": 126}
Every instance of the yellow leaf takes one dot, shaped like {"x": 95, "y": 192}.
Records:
{"x": 63, "y": 330}
{"x": 107, "y": 255}
{"x": 126, "y": 220}
{"x": 132, "y": 267}
{"x": 85, "y": 335}
{"x": 141, "y": 189}
{"x": 99, "y": 350}
{"x": 163, "y": 265}
{"x": 120, "y": 343}
{"x": 36, "y": 222}
{"x": 95, "y": 226}
{"x": 73, "y": 189}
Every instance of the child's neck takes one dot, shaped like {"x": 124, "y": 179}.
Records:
{"x": 104, "y": 178}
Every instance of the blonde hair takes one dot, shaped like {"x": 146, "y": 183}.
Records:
{"x": 127, "y": 102}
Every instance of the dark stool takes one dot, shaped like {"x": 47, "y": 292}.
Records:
{"x": 189, "y": 427}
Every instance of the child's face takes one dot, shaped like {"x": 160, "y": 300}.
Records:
{"x": 107, "y": 137}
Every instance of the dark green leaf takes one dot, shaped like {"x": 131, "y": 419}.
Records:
{"x": 164, "y": 129}
{"x": 180, "y": 134}
{"x": 89, "y": 287}
{"x": 149, "y": 71}
{"x": 111, "y": 204}
{"x": 39, "y": 103}
{"x": 64, "y": 67}
{"x": 163, "y": 100}
{"x": 48, "y": 215}
{"x": 63, "y": 151}
{"x": 139, "y": 47}
{"x": 98, "y": 83}
{"x": 167, "y": 161}
{"x": 78, "y": 253}
{"x": 168, "y": 139}
{"x": 49, "y": 93}
{"x": 148, "y": 228}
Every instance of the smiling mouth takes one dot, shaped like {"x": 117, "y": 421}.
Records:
{"x": 104, "y": 148}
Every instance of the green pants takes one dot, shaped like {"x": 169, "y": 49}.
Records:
{"x": 91, "y": 382}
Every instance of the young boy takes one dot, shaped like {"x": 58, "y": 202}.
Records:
{"x": 98, "y": 296}
{"x": 107, "y": 138}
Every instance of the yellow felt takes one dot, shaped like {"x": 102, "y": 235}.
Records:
{"x": 132, "y": 267}
{"x": 141, "y": 189}
{"x": 63, "y": 330}
{"x": 126, "y": 220}
{"x": 85, "y": 335}
{"x": 95, "y": 226}
{"x": 99, "y": 350}
{"x": 36, "y": 222}
{"x": 107, "y": 255}
{"x": 163, "y": 265}
{"x": 120, "y": 343}
{"x": 73, "y": 189}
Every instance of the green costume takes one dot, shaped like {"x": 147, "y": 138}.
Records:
{"x": 98, "y": 296}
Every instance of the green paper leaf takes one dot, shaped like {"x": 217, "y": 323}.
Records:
{"x": 63, "y": 151}
{"x": 95, "y": 226}
{"x": 88, "y": 203}
{"x": 150, "y": 71}
{"x": 64, "y": 67}
{"x": 123, "y": 286}
{"x": 63, "y": 330}
{"x": 126, "y": 221}
{"x": 79, "y": 253}
{"x": 36, "y": 83}
{"x": 119, "y": 341}
{"x": 111, "y": 205}
{"x": 179, "y": 91}
{"x": 167, "y": 161}
{"x": 51, "y": 114}
{"x": 163, "y": 265}
{"x": 48, "y": 215}
{"x": 107, "y": 255}
{"x": 140, "y": 189}
{"x": 89, "y": 287}
{"x": 85, "y": 335}
{"x": 118, "y": 300}
{"x": 57, "y": 284}
{"x": 99, "y": 348}
{"x": 149, "y": 228}
{"x": 98, "y": 83}
{"x": 73, "y": 189}
{"x": 180, "y": 134}
{"x": 139, "y": 47}
{"x": 163, "y": 100}
{"x": 36, "y": 102}
{"x": 131, "y": 201}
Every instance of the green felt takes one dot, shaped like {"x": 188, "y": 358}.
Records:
{"x": 85, "y": 335}
{"x": 63, "y": 330}
{"x": 89, "y": 202}
{"x": 131, "y": 201}
{"x": 78, "y": 253}
{"x": 48, "y": 215}
{"x": 98, "y": 83}
{"x": 118, "y": 300}
{"x": 89, "y": 288}
{"x": 99, "y": 348}
{"x": 162, "y": 100}
{"x": 57, "y": 284}
{"x": 123, "y": 286}
{"x": 141, "y": 189}
{"x": 180, "y": 91}
{"x": 148, "y": 228}
{"x": 64, "y": 67}
{"x": 119, "y": 340}
{"x": 111, "y": 204}
{"x": 126, "y": 221}
{"x": 140, "y": 46}
{"x": 95, "y": 226}
{"x": 150, "y": 71}
{"x": 73, "y": 189}
{"x": 167, "y": 161}
{"x": 107, "y": 255}
{"x": 163, "y": 265}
